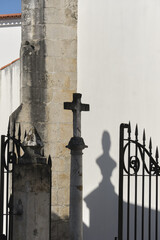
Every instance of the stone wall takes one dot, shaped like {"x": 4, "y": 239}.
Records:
{"x": 10, "y": 41}
{"x": 31, "y": 191}
{"x": 9, "y": 93}
{"x": 48, "y": 78}
{"x": 119, "y": 73}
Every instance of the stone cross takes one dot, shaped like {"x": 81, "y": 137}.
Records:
{"x": 76, "y": 145}
{"x": 77, "y": 107}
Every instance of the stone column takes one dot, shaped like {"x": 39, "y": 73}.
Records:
{"x": 76, "y": 145}
{"x": 48, "y": 78}
{"x": 31, "y": 196}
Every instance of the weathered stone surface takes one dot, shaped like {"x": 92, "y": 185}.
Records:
{"x": 58, "y": 4}
{"x": 66, "y": 48}
{"x": 48, "y": 78}
{"x": 54, "y": 113}
{"x": 61, "y": 64}
{"x": 54, "y": 15}
{"x": 63, "y": 196}
{"x": 54, "y": 195}
{"x": 33, "y": 178}
{"x": 63, "y": 180}
{"x": 63, "y": 230}
{"x": 32, "y": 188}
{"x": 57, "y": 31}
{"x": 61, "y": 211}
{"x": 59, "y": 164}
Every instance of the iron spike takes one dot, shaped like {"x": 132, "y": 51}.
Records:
{"x": 19, "y": 132}
{"x": 136, "y": 132}
{"x": 157, "y": 153}
{"x": 9, "y": 125}
{"x": 49, "y": 161}
{"x": 25, "y": 134}
{"x": 14, "y": 128}
{"x": 150, "y": 144}
{"x": 129, "y": 127}
{"x": 144, "y": 135}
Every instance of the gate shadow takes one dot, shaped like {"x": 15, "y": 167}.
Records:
{"x": 103, "y": 205}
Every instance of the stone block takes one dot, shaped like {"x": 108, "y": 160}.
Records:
{"x": 54, "y": 15}
{"x": 60, "y": 213}
{"x": 55, "y": 213}
{"x": 73, "y": 82}
{"x": 61, "y": 48}
{"x": 63, "y": 180}
{"x": 36, "y": 95}
{"x": 63, "y": 196}
{"x": 63, "y": 230}
{"x": 54, "y": 197}
{"x": 27, "y": 4}
{"x": 56, "y": 114}
{"x": 61, "y": 151}
{"x": 54, "y": 230}
{"x": 38, "y": 112}
{"x": 62, "y": 131}
{"x": 33, "y": 32}
{"x": 54, "y": 180}
{"x": 59, "y": 80}
{"x": 48, "y": 95}
{"x": 32, "y": 188}
{"x": 60, "y": 96}
{"x": 54, "y": 64}
{"x": 59, "y": 31}
{"x": 58, "y": 4}
{"x": 59, "y": 164}
{"x": 71, "y": 12}
{"x": 64, "y": 212}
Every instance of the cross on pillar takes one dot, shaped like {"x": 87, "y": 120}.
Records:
{"x": 77, "y": 107}
{"x": 76, "y": 145}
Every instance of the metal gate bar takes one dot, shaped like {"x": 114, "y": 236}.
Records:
{"x": 10, "y": 153}
{"x": 140, "y": 171}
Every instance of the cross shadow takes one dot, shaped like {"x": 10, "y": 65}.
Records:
{"x": 103, "y": 206}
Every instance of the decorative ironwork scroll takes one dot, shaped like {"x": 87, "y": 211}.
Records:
{"x": 10, "y": 154}
{"x": 139, "y": 172}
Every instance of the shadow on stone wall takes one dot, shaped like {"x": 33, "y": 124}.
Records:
{"x": 59, "y": 228}
{"x": 103, "y": 205}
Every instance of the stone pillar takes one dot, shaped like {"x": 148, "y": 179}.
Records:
{"x": 76, "y": 145}
{"x": 48, "y": 78}
{"x": 31, "y": 196}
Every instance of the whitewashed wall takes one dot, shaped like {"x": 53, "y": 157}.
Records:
{"x": 10, "y": 41}
{"x": 9, "y": 93}
{"x": 119, "y": 76}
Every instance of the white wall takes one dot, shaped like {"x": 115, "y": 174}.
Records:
{"x": 10, "y": 41}
{"x": 9, "y": 93}
{"x": 119, "y": 76}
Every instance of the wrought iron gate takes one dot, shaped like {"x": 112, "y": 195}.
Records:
{"x": 139, "y": 198}
{"x": 10, "y": 152}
